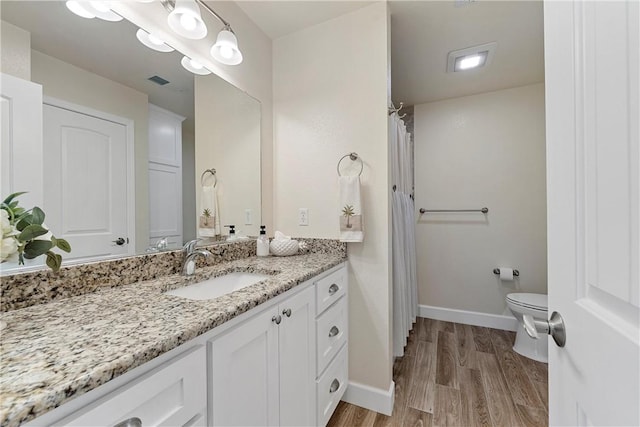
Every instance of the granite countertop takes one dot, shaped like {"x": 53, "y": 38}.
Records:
{"x": 51, "y": 353}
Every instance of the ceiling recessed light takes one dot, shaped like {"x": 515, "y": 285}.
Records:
{"x": 471, "y": 57}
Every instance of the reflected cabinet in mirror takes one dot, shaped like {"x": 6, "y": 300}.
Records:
{"x": 106, "y": 136}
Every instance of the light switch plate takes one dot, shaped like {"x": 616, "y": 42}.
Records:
{"x": 248, "y": 217}
{"x": 303, "y": 216}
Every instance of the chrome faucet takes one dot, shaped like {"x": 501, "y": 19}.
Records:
{"x": 190, "y": 255}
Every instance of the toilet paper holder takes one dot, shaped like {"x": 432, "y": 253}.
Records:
{"x": 515, "y": 272}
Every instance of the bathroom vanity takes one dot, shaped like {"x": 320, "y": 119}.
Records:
{"x": 273, "y": 353}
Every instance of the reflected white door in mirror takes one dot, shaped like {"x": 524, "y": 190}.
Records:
{"x": 86, "y": 188}
{"x": 165, "y": 177}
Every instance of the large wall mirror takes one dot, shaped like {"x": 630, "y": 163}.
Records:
{"x": 119, "y": 144}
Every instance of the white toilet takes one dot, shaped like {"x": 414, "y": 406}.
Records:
{"x": 536, "y": 306}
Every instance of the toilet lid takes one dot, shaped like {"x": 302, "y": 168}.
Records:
{"x": 537, "y": 301}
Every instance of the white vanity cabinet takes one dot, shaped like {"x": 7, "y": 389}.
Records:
{"x": 282, "y": 363}
{"x": 263, "y": 370}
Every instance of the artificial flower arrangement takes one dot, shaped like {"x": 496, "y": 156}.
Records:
{"x": 24, "y": 234}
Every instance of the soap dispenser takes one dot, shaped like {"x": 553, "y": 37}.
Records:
{"x": 232, "y": 233}
{"x": 262, "y": 244}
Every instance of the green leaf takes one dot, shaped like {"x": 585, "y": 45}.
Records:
{"x": 32, "y": 231}
{"x": 37, "y": 216}
{"x": 63, "y": 244}
{"x": 36, "y": 248}
{"x": 54, "y": 261}
{"x": 23, "y": 222}
{"x": 54, "y": 241}
{"x": 10, "y": 197}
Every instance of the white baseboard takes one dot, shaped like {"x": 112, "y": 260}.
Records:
{"x": 496, "y": 321}
{"x": 371, "y": 398}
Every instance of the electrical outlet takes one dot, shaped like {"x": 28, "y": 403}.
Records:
{"x": 248, "y": 217}
{"x": 303, "y": 216}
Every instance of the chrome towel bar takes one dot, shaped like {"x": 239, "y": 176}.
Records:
{"x": 483, "y": 210}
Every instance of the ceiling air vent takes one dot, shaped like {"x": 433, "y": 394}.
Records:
{"x": 158, "y": 80}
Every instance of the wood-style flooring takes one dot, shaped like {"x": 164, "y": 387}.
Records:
{"x": 459, "y": 375}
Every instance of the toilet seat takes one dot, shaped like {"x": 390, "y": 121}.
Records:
{"x": 531, "y": 301}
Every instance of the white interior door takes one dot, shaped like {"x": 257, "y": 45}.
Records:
{"x": 86, "y": 186}
{"x": 592, "y": 81}
{"x": 21, "y": 133}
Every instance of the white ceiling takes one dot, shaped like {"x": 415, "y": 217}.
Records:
{"x": 424, "y": 32}
{"x": 279, "y": 18}
{"x": 109, "y": 49}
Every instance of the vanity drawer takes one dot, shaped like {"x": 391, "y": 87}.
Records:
{"x": 172, "y": 394}
{"x": 331, "y": 386}
{"x": 330, "y": 288}
{"x": 331, "y": 333}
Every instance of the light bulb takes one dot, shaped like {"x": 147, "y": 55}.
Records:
{"x": 470, "y": 62}
{"x": 188, "y": 22}
{"x": 226, "y": 51}
{"x": 195, "y": 64}
{"x": 153, "y": 39}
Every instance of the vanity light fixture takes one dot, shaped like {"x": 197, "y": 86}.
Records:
{"x": 152, "y": 42}
{"x": 226, "y": 49}
{"x": 471, "y": 57}
{"x": 184, "y": 18}
{"x": 93, "y": 9}
{"x": 194, "y": 66}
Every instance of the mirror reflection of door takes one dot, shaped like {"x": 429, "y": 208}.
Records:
{"x": 87, "y": 190}
{"x": 165, "y": 177}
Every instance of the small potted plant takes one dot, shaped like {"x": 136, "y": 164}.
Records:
{"x": 24, "y": 234}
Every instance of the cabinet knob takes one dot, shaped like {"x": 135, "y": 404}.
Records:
{"x": 335, "y": 385}
{"x": 333, "y": 331}
{"x": 277, "y": 319}
{"x": 131, "y": 422}
{"x": 287, "y": 312}
{"x": 333, "y": 289}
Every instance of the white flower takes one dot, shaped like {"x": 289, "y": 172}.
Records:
{"x": 9, "y": 247}
{"x": 6, "y": 225}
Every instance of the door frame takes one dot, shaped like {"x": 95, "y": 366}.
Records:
{"x": 131, "y": 184}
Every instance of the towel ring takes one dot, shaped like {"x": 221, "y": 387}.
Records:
{"x": 353, "y": 156}
{"x": 212, "y": 172}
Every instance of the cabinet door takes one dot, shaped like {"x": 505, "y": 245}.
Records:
{"x": 244, "y": 374}
{"x": 297, "y": 360}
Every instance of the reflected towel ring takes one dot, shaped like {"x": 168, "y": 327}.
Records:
{"x": 353, "y": 156}
{"x": 212, "y": 172}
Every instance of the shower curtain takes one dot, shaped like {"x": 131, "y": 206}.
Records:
{"x": 405, "y": 285}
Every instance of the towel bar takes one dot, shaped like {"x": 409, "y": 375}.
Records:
{"x": 483, "y": 210}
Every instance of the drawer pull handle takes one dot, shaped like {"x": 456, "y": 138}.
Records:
{"x": 287, "y": 312}
{"x": 335, "y": 385}
{"x": 333, "y": 289}
{"x": 333, "y": 331}
{"x": 277, "y": 319}
{"x": 131, "y": 422}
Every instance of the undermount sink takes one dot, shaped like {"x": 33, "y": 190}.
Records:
{"x": 218, "y": 286}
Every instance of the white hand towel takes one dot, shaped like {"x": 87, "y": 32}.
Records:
{"x": 208, "y": 218}
{"x": 350, "y": 210}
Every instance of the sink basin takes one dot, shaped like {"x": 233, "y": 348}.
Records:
{"x": 218, "y": 286}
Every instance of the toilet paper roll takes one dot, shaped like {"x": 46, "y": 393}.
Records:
{"x": 506, "y": 274}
